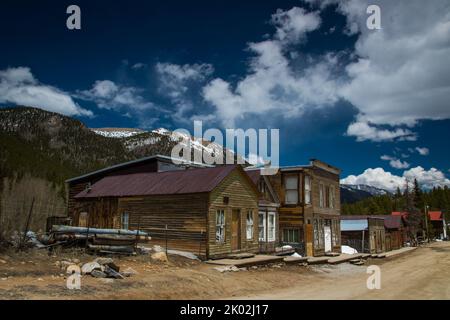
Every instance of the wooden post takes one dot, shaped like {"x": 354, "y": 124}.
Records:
{"x": 166, "y": 242}
{"x": 87, "y": 233}
{"x": 200, "y": 247}
{"x": 27, "y": 226}
{"x": 137, "y": 233}
{"x": 362, "y": 243}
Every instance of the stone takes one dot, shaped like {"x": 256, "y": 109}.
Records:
{"x": 98, "y": 274}
{"x": 107, "y": 280}
{"x": 227, "y": 269}
{"x": 128, "y": 272}
{"x": 3, "y": 261}
{"x": 160, "y": 256}
{"x": 103, "y": 261}
{"x": 87, "y": 268}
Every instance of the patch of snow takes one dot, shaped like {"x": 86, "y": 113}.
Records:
{"x": 295, "y": 254}
{"x": 116, "y": 133}
{"x": 185, "y": 254}
{"x": 348, "y": 250}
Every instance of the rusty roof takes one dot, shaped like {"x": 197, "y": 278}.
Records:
{"x": 159, "y": 183}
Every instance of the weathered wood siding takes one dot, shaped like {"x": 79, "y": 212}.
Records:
{"x": 241, "y": 196}
{"x": 184, "y": 216}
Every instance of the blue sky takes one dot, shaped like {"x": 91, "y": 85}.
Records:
{"x": 372, "y": 102}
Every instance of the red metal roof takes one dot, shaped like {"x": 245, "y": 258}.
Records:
{"x": 435, "y": 215}
{"x": 159, "y": 183}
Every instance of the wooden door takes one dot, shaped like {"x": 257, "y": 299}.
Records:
{"x": 236, "y": 230}
{"x": 309, "y": 240}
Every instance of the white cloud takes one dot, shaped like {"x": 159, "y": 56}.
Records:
{"x": 423, "y": 151}
{"x": 138, "y": 66}
{"x": 402, "y": 72}
{"x": 272, "y": 84}
{"x": 175, "y": 82}
{"x": 395, "y": 163}
{"x": 380, "y": 178}
{"x": 365, "y": 131}
{"x": 292, "y": 25}
{"x": 109, "y": 95}
{"x": 19, "y": 86}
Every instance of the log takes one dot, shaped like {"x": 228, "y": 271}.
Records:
{"x": 127, "y": 249}
{"x": 69, "y": 229}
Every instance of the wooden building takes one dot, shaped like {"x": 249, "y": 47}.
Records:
{"x": 366, "y": 234}
{"x": 157, "y": 163}
{"x": 309, "y": 209}
{"x": 268, "y": 219}
{"x": 211, "y": 212}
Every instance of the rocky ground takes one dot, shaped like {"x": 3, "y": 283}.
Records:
{"x": 421, "y": 274}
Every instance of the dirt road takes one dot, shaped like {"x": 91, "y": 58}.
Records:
{"x": 421, "y": 274}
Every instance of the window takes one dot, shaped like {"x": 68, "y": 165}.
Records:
{"x": 291, "y": 187}
{"x": 262, "y": 226}
{"x": 249, "y": 225}
{"x": 316, "y": 234}
{"x": 291, "y": 235}
{"x": 307, "y": 190}
{"x": 220, "y": 226}
{"x": 125, "y": 220}
{"x": 335, "y": 232}
{"x": 272, "y": 226}
{"x": 332, "y": 196}
{"x": 321, "y": 196}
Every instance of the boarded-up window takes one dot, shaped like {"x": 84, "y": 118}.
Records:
{"x": 249, "y": 225}
{"x": 125, "y": 220}
{"x": 83, "y": 219}
{"x": 321, "y": 195}
{"x": 220, "y": 226}
{"x": 307, "y": 190}
{"x": 332, "y": 196}
{"x": 291, "y": 235}
{"x": 291, "y": 188}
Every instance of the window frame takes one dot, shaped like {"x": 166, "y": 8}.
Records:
{"x": 262, "y": 223}
{"x": 332, "y": 196}
{"x": 125, "y": 225}
{"x": 220, "y": 225}
{"x": 288, "y": 190}
{"x": 271, "y": 230}
{"x": 291, "y": 235}
{"x": 321, "y": 195}
{"x": 308, "y": 191}
{"x": 249, "y": 227}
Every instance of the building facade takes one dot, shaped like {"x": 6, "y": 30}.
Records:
{"x": 309, "y": 209}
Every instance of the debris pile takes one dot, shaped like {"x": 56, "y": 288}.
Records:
{"x": 98, "y": 268}
{"x": 106, "y": 241}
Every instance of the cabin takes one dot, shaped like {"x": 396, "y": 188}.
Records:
{"x": 437, "y": 225}
{"x": 366, "y": 234}
{"x": 157, "y": 163}
{"x": 268, "y": 219}
{"x": 211, "y": 212}
{"x": 309, "y": 208}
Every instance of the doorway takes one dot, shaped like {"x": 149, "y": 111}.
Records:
{"x": 236, "y": 230}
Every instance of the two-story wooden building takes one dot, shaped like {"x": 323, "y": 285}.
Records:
{"x": 309, "y": 207}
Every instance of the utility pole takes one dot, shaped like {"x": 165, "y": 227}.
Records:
{"x": 426, "y": 222}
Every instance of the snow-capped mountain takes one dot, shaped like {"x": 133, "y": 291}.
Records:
{"x": 136, "y": 139}
{"x": 374, "y": 191}
{"x": 117, "y": 132}
{"x": 355, "y": 192}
